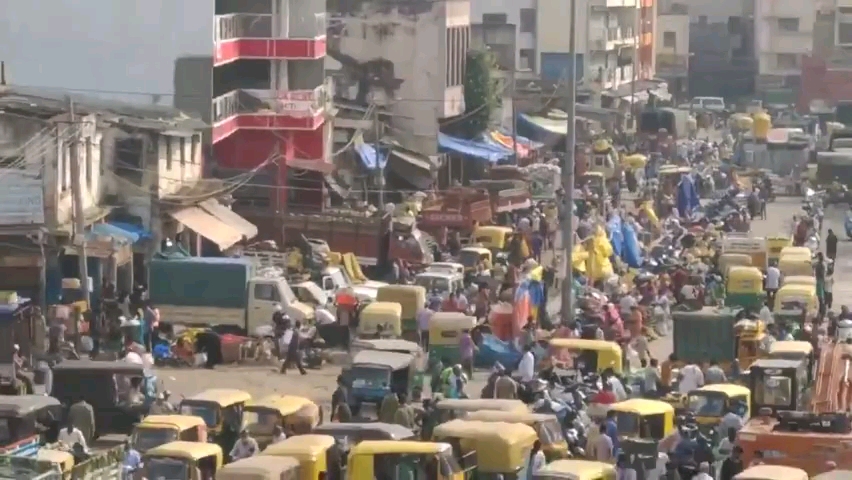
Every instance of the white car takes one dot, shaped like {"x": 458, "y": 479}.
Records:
{"x": 711, "y": 104}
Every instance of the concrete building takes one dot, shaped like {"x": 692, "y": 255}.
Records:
{"x": 672, "y": 44}
{"x": 407, "y": 57}
{"x": 270, "y": 91}
{"x": 520, "y": 16}
{"x": 783, "y": 33}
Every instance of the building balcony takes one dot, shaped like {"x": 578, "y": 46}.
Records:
{"x": 254, "y": 37}
{"x": 612, "y": 78}
{"x": 613, "y": 38}
{"x": 270, "y": 110}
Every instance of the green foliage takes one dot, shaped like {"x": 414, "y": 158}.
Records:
{"x": 481, "y": 97}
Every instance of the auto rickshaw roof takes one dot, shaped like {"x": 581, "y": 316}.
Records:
{"x": 258, "y": 467}
{"x": 491, "y": 229}
{"x": 729, "y": 389}
{"x": 779, "y": 363}
{"x": 221, "y": 396}
{"x": 642, "y": 406}
{"x": 283, "y": 404}
{"x": 503, "y": 432}
{"x": 510, "y": 417}
{"x": 791, "y": 250}
{"x": 771, "y": 472}
{"x": 18, "y": 405}
{"x": 791, "y": 346}
{"x": 800, "y": 280}
{"x": 303, "y": 447}
{"x": 834, "y": 475}
{"x": 383, "y": 308}
{"x": 475, "y": 404}
{"x": 392, "y": 430}
{"x": 389, "y": 345}
{"x": 584, "y": 344}
{"x": 65, "y": 460}
{"x": 734, "y": 270}
{"x": 393, "y": 360}
{"x": 576, "y": 469}
{"x": 181, "y": 422}
{"x": 379, "y": 447}
{"x": 479, "y": 250}
{"x": 797, "y": 289}
{"x": 188, "y": 450}
{"x": 119, "y": 367}
{"x": 452, "y": 321}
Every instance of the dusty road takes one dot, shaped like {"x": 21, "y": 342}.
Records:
{"x": 319, "y": 384}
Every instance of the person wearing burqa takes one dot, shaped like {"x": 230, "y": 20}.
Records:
{"x": 831, "y": 245}
{"x": 210, "y": 344}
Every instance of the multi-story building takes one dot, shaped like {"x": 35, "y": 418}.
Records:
{"x": 783, "y": 33}
{"x": 827, "y": 72}
{"x": 270, "y": 94}
{"x": 521, "y": 16}
{"x": 407, "y": 58}
{"x": 672, "y": 44}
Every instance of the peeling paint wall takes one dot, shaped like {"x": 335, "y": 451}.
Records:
{"x": 396, "y": 55}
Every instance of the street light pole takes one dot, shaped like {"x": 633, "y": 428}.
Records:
{"x": 568, "y": 170}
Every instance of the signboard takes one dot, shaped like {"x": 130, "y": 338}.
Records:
{"x": 21, "y": 198}
{"x": 296, "y": 102}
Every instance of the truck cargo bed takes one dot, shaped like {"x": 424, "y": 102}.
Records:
{"x": 200, "y": 281}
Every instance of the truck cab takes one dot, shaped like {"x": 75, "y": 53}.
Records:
{"x": 266, "y": 292}
{"x": 334, "y": 279}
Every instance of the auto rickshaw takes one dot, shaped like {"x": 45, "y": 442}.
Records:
{"x": 588, "y": 355}
{"x": 635, "y": 161}
{"x": 576, "y": 470}
{"x": 796, "y": 265}
{"x": 546, "y": 426}
{"x": 809, "y": 280}
{"x": 189, "y": 460}
{"x": 295, "y": 415}
{"x": 744, "y": 287}
{"x": 353, "y": 433}
{"x": 795, "y": 251}
{"x": 472, "y": 256}
{"x": 381, "y": 319}
{"x": 312, "y": 452}
{"x": 490, "y": 448}
{"x": 411, "y": 298}
{"x": 728, "y": 260}
{"x": 789, "y": 297}
{"x": 711, "y": 402}
{"x": 774, "y": 246}
{"x": 222, "y": 411}
{"x": 833, "y": 475}
{"x": 373, "y": 374}
{"x": 604, "y": 159}
{"x": 647, "y": 419}
{"x": 402, "y": 459}
{"x": 23, "y": 414}
{"x": 445, "y": 329}
{"x": 772, "y": 472}
{"x": 492, "y": 237}
{"x": 778, "y": 384}
{"x": 455, "y": 408}
{"x": 57, "y": 459}
{"x": 795, "y": 350}
{"x": 156, "y": 430}
{"x": 261, "y": 468}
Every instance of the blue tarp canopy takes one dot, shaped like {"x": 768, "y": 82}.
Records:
{"x": 121, "y": 230}
{"x": 370, "y": 158}
{"x": 470, "y": 148}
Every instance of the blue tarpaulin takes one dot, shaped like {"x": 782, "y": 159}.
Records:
{"x": 128, "y": 231}
{"x": 616, "y": 238}
{"x": 473, "y": 149}
{"x": 632, "y": 254}
{"x": 687, "y": 197}
{"x": 371, "y": 159}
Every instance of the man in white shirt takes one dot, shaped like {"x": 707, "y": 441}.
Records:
{"x": 278, "y": 434}
{"x": 691, "y": 378}
{"x": 703, "y": 472}
{"x": 72, "y": 436}
{"x": 526, "y": 368}
{"x": 245, "y": 447}
{"x": 617, "y": 388}
{"x": 324, "y": 317}
{"x": 772, "y": 283}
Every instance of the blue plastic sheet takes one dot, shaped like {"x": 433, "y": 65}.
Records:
{"x": 370, "y": 158}
{"x": 687, "y": 196}
{"x": 493, "y": 350}
{"x": 480, "y": 150}
{"x": 616, "y": 237}
{"x": 632, "y": 254}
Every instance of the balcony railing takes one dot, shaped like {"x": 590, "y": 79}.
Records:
{"x": 251, "y": 25}
{"x": 293, "y": 103}
{"x": 618, "y": 34}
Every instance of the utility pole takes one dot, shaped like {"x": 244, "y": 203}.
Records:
{"x": 568, "y": 170}
{"x": 381, "y": 175}
{"x": 77, "y": 197}
{"x": 514, "y": 113}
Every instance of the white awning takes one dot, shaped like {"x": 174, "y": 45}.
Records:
{"x": 232, "y": 218}
{"x": 208, "y": 226}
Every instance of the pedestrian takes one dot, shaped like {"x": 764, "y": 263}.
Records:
{"x": 732, "y": 420}
{"x": 733, "y": 465}
{"x": 772, "y": 282}
{"x": 340, "y": 397}
{"x": 292, "y": 350}
{"x": 526, "y": 367}
{"x": 537, "y": 459}
{"x": 505, "y": 387}
{"x": 623, "y": 469}
{"x": 829, "y": 287}
{"x": 72, "y": 436}
{"x": 132, "y": 460}
{"x": 819, "y": 273}
{"x": 82, "y": 417}
{"x": 691, "y": 378}
{"x": 703, "y": 472}
{"x": 651, "y": 379}
{"x": 467, "y": 350}
{"x": 423, "y": 318}
{"x": 715, "y": 374}
{"x": 831, "y": 245}
{"x": 405, "y": 414}
{"x": 245, "y": 447}
{"x": 600, "y": 448}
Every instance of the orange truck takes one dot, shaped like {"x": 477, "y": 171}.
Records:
{"x": 458, "y": 208}
{"x": 506, "y": 195}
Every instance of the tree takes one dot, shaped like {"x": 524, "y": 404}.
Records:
{"x": 480, "y": 93}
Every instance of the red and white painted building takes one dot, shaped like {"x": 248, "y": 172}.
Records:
{"x": 270, "y": 92}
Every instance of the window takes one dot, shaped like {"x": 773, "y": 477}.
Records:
{"x": 89, "y": 160}
{"x": 266, "y": 292}
{"x": 787, "y": 61}
{"x": 494, "y": 18}
{"x": 182, "y": 151}
{"x": 670, "y": 39}
{"x": 194, "y": 149}
{"x": 63, "y": 170}
{"x": 788, "y": 24}
{"x": 528, "y": 20}
{"x": 168, "y": 153}
{"x": 527, "y": 59}
{"x": 844, "y": 33}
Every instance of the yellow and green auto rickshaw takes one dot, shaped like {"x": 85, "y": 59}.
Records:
{"x": 189, "y": 460}
{"x": 729, "y": 260}
{"x": 156, "y": 430}
{"x": 641, "y": 418}
{"x": 795, "y": 251}
{"x": 296, "y": 415}
{"x": 774, "y": 246}
{"x": 455, "y": 408}
{"x": 222, "y": 411}
{"x": 789, "y": 298}
{"x": 576, "y": 470}
{"x": 800, "y": 280}
{"x": 546, "y": 426}
{"x": 772, "y": 472}
{"x": 261, "y": 467}
{"x": 796, "y": 264}
{"x": 412, "y": 298}
{"x": 310, "y": 450}
{"x": 381, "y": 319}
{"x": 711, "y": 402}
{"x": 472, "y": 256}
{"x": 402, "y": 459}
{"x": 744, "y": 287}
{"x": 587, "y": 355}
{"x": 488, "y": 448}
{"x": 445, "y": 329}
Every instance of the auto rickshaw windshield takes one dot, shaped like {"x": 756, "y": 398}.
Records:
{"x": 628, "y": 424}
{"x": 706, "y": 404}
{"x": 433, "y": 282}
{"x": 147, "y": 438}
{"x": 549, "y": 432}
{"x": 367, "y": 376}
{"x": 167, "y": 467}
{"x": 775, "y": 391}
{"x": 469, "y": 258}
{"x": 207, "y": 411}
{"x": 259, "y": 420}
